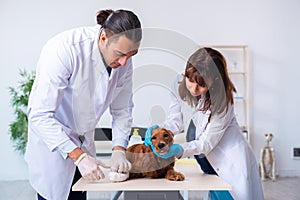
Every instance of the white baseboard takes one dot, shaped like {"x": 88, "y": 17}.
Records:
{"x": 288, "y": 173}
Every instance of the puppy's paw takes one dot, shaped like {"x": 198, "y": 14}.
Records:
{"x": 176, "y": 176}
{"x": 118, "y": 177}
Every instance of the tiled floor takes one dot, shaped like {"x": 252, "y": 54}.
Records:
{"x": 13, "y": 190}
{"x": 283, "y": 188}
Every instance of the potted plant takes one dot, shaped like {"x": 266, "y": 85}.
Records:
{"x": 19, "y": 101}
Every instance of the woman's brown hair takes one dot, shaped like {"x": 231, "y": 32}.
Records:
{"x": 208, "y": 65}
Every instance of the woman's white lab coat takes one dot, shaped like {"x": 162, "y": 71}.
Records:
{"x": 71, "y": 92}
{"x": 222, "y": 142}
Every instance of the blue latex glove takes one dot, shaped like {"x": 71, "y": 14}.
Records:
{"x": 175, "y": 149}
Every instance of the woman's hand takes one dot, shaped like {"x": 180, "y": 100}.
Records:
{"x": 175, "y": 150}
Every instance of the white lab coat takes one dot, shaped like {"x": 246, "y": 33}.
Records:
{"x": 222, "y": 142}
{"x": 71, "y": 92}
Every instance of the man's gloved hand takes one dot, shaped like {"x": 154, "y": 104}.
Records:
{"x": 175, "y": 150}
{"x": 148, "y": 135}
{"x": 89, "y": 167}
{"x": 119, "y": 163}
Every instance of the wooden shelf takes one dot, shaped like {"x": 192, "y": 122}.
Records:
{"x": 237, "y": 64}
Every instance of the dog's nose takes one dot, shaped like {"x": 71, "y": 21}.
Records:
{"x": 161, "y": 145}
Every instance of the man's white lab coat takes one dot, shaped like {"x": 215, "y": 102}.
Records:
{"x": 71, "y": 92}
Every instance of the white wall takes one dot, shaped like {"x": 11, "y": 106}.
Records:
{"x": 271, "y": 29}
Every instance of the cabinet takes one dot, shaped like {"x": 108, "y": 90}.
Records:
{"x": 237, "y": 64}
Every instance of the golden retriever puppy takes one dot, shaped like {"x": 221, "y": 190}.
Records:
{"x": 146, "y": 164}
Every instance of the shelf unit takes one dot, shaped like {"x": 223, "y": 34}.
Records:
{"x": 237, "y": 64}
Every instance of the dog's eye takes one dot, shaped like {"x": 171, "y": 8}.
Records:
{"x": 166, "y": 135}
{"x": 154, "y": 138}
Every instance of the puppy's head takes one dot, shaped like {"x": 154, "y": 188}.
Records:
{"x": 161, "y": 140}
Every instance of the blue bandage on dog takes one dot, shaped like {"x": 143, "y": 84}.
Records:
{"x": 175, "y": 149}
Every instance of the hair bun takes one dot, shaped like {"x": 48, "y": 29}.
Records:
{"x": 102, "y": 15}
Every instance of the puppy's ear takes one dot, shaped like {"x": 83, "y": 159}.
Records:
{"x": 171, "y": 133}
{"x": 172, "y": 136}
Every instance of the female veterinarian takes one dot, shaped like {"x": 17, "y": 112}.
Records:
{"x": 79, "y": 75}
{"x": 202, "y": 100}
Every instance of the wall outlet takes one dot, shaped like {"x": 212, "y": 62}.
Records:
{"x": 296, "y": 152}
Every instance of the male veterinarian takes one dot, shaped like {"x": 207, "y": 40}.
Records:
{"x": 79, "y": 75}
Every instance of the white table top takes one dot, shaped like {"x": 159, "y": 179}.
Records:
{"x": 194, "y": 180}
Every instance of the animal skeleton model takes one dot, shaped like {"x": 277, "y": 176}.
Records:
{"x": 267, "y": 160}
